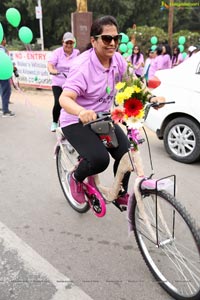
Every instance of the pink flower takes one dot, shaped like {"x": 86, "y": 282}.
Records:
{"x": 117, "y": 115}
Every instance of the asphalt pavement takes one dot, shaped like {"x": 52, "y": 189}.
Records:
{"x": 24, "y": 274}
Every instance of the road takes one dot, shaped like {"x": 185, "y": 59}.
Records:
{"x": 47, "y": 250}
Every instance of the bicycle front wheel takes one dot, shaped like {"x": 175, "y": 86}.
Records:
{"x": 169, "y": 242}
{"x": 66, "y": 160}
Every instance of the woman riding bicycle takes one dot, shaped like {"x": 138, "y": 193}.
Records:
{"x": 89, "y": 89}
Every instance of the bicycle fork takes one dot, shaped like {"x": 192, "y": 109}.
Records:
{"x": 152, "y": 229}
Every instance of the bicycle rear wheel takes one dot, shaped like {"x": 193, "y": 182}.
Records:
{"x": 66, "y": 160}
{"x": 173, "y": 253}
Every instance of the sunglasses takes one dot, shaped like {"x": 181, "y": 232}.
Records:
{"x": 136, "y": 48}
{"x": 107, "y": 39}
{"x": 69, "y": 43}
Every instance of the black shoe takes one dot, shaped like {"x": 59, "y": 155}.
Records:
{"x": 8, "y": 114}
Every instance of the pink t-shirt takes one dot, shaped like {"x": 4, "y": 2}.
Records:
{"x": 138, "y": 71}
{"x": 167, "y": 63}
{"x": 89, "y": 79}
{"x": 62, "y": 63}
{"x": 179, "y": 60}
{"x": 156, "y": 64}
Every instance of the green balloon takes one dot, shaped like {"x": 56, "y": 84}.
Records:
{"x": 75, "y": 44}
{"x": 184, "y": 54}
{"x": 181, "y": 47}
{"x": 181, "y": 40}
{"x": 1, "y": 33}
{"x": 130, "y": 45}
{"x": 6, "y": 66}
{"x": 153, "y": 48}
{"x": 130, "y": 51}
{"x": 13, "y": 17}
{"x": 25, "y": 34}
{"x": 122, "y": 48}
{"x": 125, "y": 38}
{"x": 125, "y": 54}
{"x": 154, "y": 40}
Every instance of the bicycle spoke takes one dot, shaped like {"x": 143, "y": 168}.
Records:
{"x": 175, "y": 260}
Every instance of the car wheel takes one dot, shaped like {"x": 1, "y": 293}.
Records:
{"x": 182, "y": 140}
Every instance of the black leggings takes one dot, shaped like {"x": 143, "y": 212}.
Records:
{"x": 95, "y": 156}
{"x": 57, "y": 91}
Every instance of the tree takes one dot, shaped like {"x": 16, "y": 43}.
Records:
{"x": 57, "y": 16}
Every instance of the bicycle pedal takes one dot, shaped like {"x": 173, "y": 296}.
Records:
{"x": 120, "y": 207}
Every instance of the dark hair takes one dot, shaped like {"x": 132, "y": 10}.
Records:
{"x": 159, "y": 50}
{"x": 97, "y": 26}
{"x": 175, "y": 56}
{"x": 168, "y": 50}
{"x": 137, "y": 54}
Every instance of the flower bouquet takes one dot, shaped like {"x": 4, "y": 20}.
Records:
{"x": 131, "y": 97}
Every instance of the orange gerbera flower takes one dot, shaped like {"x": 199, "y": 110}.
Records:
{"x": 118, "y": 115}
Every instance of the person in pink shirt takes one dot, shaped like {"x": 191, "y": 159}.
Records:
{"x": 89, "y": 89}
{"x": 177, "y": 57}
{"x": 147, "y": 63}
{"x": 156, "y": 63}
{"x": 58, "y": 65}
{"x": 137, "y": 60}
{"x": 167, "y": 57}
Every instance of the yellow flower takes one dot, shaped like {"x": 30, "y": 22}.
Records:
{"x": 141, "y": 114}
{"x": 120, "y": 85}
{"x": 119, "y": 98}
{"x": 128, "y": 92}
{"x": 137, "y": 89}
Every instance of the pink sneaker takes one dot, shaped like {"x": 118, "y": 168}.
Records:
{"x": 76, "y": 188}
{"x": 122, "y": 201}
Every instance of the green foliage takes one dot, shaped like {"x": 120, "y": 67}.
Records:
{"x": 143, "y": 36}
{"x": 147, "y": 15}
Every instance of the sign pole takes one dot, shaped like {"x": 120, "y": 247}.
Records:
{"x": 38, "y": 10}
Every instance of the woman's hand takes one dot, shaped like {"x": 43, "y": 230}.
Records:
{"x": 86, "y": 116}
{"x": 157, "y": 99}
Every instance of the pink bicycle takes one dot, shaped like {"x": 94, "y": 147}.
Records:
{"x": 167, "y": 236}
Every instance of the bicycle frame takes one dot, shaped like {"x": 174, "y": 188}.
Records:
{"x": 131, "y": 161}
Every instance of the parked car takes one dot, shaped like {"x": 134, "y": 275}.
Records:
{"x": 178, "y": 125}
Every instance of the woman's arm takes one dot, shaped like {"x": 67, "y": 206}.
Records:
{"x": 68, "y": 103}
{"x": 51, "y": 68}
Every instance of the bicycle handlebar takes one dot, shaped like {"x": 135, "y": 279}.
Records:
{"x": 155, "y": 104}
{"x": 105, "y": 115}
{"x": 100, "y": 117}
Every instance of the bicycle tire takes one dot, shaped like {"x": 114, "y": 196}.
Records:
{"x": 65, "y": 163}
{"x": 174, "y": 264}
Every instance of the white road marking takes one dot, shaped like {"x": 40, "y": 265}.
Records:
{"x": 35, "y": 263}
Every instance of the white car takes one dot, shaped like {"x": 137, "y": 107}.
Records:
{"x": 178, "y": 124}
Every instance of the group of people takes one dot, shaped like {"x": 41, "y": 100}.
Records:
{"x": 89, "y": 88}
{"x": 159, "y": 59}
